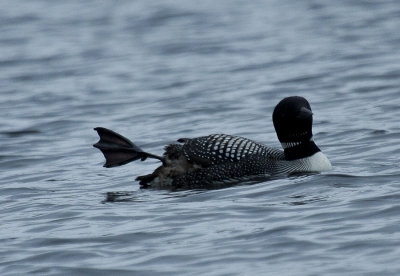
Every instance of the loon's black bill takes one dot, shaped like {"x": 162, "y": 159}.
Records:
{"x": 304, "y": 113}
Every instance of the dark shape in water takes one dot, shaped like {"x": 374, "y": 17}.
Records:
{"x": 23, "y": 132}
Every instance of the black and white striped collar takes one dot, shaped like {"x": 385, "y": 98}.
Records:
{"x": 298, "y": 150}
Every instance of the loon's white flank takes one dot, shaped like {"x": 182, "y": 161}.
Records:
{"x": 318, "y": 162}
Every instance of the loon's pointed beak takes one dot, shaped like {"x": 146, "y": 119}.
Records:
{"x": 304, "y": 113}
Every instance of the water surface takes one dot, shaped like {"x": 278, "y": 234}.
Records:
{"x": 159, "y": 71}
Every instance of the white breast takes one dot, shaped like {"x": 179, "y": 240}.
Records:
{"x": 318, "y": 163}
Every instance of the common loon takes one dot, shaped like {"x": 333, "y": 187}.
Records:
{"x": 219, "y": 158}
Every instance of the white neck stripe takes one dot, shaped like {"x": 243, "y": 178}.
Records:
{"x": 290, "y": 144}
{"x": 286, "y": 145}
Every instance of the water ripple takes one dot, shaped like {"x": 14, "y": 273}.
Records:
{"x": 160, "y": 71}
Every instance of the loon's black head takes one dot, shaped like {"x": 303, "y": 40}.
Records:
{"x": 293, "y": 119}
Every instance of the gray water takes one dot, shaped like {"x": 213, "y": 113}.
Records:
{"x": 157, "y": 71}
